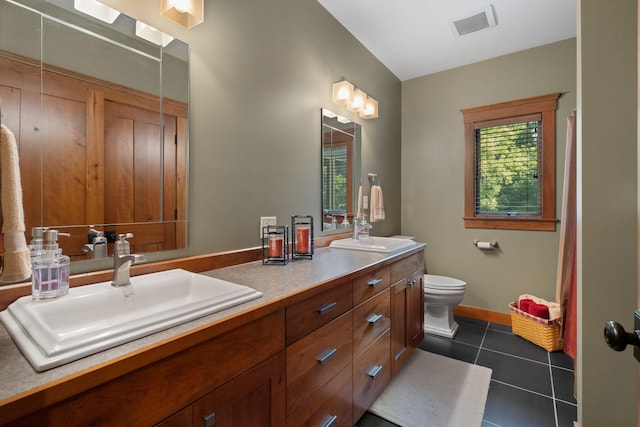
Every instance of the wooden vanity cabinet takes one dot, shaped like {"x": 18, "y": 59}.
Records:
{"x": 319, "y": 360}
{"x": 386, "y": 306}
{"x": 407, "y": 308}
{"x": 241, "y": 368}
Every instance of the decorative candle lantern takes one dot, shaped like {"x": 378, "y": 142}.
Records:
{"x": 275, "y": 244}
{"x": 302, "y": 237}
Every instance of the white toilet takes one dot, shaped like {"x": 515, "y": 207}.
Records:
{"x": 441, "y": 294}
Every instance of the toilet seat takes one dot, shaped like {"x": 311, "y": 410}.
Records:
{"x": 443, "y": 283}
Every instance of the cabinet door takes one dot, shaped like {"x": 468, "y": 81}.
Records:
{"x": 407, "y": 317}
{"x": 256, "y": 398}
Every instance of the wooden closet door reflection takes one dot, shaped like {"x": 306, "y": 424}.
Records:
{"x": 133, "y": 171}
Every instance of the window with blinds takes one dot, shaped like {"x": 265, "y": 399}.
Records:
{"x": 507, "y": 169}
{"x": 510, "y": 164}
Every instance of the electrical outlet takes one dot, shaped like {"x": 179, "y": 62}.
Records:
{"x": 267, "y": 220}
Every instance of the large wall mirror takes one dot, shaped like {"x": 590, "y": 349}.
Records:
{"x": 100, "y": 115}
{"x": 341, "y": 142}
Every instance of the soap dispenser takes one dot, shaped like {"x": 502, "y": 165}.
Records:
{"x": 36, "y": 245}
{"x": 345, "y": 221}
{"x": 50, "y": 277}
{"x": 334, "y": 223}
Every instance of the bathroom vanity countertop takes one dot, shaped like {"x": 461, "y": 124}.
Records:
{"x": 280, "y": 285}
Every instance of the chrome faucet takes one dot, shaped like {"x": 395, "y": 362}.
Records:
{"x": 122, "y": 261}
{"x": 98, "y": 246}
{"x": 361, "y": 227}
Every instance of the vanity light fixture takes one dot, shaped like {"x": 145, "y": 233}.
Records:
{"x": 342, "y": 92}
{"x": 97, "y": 10}
{"x": 187, "y": 13}
{"x": 357, "y": 103}
{"x": 370, "y": 110}
{"x": 149, "y": 33}
{"x": 356, "y": 100}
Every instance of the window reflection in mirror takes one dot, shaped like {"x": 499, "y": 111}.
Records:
{"x": 340, "y": 170}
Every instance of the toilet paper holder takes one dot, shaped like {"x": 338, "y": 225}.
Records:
{"x": 485, "y": 245}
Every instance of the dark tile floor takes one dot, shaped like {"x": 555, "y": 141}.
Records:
{"x": 529, "y": 386}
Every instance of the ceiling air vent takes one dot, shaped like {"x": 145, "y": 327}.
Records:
{"x": 485, "y": 18}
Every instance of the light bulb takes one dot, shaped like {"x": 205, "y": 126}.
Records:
{"x": 181, "y": 6}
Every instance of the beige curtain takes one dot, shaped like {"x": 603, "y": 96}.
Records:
{"x": 566, "y": 275}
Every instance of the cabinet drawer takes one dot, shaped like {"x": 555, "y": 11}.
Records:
{"x": 371, "y": 374}
{"x": 364, "y": 287}
{"x": 406, "y": 266}
{"x": 315, "y": 359}
{"x": 331, "y": 404}
{"x": 370, "y": 320}
{"x": 308, "y": 315}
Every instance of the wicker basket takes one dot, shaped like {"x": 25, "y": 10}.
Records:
{"x": 542, "y": 332}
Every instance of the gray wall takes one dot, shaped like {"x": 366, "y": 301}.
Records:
{"x": 608, "y": 206}
{"x": 260, "y": 72}
{"x": 433, "y": 173}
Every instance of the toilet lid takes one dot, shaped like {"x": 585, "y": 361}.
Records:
{"x": 442, "y": 282}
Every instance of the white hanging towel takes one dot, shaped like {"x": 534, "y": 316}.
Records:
{"x": 16, "y": 258}
{"x": 359, "y": 211}
{"x": 377, "y": 204}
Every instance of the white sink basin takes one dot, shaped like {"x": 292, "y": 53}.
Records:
{"x": 96, "y": 317}
{"x": 374, "y": 244}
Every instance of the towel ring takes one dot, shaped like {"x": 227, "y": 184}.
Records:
{"x": 373, "y": 178}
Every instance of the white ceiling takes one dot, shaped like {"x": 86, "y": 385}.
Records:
{"x": 414, "y": 38}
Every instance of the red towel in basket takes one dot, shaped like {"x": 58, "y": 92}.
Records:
{"x": 539, "y": 310}
{"x": 525, "y": 303}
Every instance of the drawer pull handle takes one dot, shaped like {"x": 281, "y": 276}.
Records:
{"x": 399, "y": 354}
{"x": 373, "y": 318}
{"x": 329, "y": 420}
{"x": 411, "y": 282}
{"x": 375, "y": 370}
{"x": 374, "y": 282}
{"x": 326, "y": 307}
{"x": 209, "y": 420}
{"x": 328, "y": 354}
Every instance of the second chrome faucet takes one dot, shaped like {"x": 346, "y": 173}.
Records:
{"x": 361, "y": 227}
